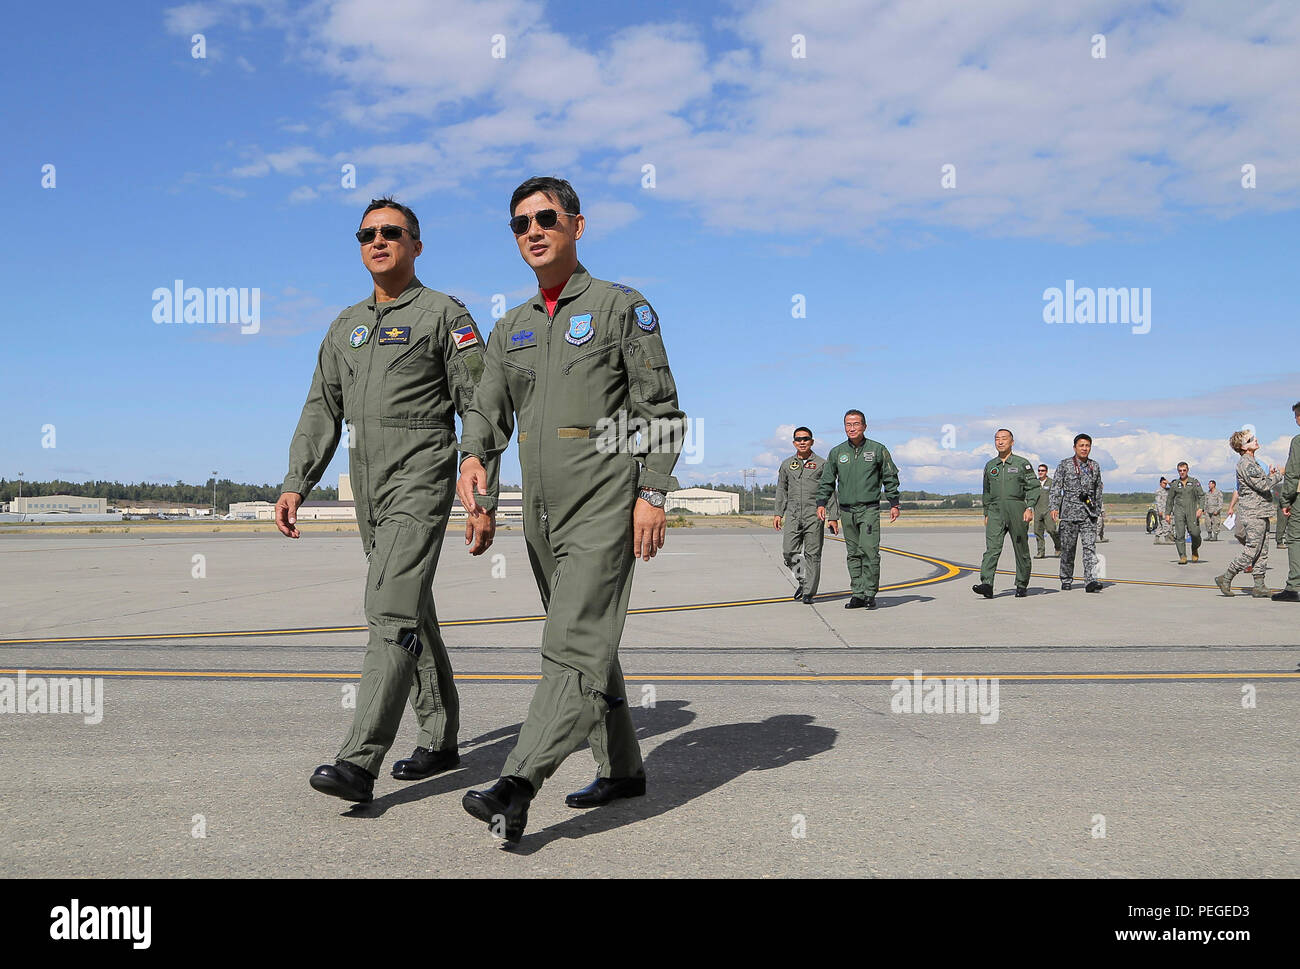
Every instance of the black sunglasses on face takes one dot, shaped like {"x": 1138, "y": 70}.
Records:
{"x": 801, "y": 440}
{"x": 546, "y": 218}
{"x": 390, "y": 232}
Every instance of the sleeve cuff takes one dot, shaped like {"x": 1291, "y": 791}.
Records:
{"x": 658, "y": 481}
{"x": 295, "y": 485}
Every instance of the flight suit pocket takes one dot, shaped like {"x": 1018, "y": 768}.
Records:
{"x": 652, "y": 380}
{"x": 399, "y": 572}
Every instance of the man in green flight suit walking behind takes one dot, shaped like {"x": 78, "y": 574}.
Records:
{"x": 394, "y": 368}
{"x": 1291, "y": 512}
{"x": 1010, "y": 492}
{"x": 1186, "y": 501}
{"x": 577, "y": 365}
{"x": 859, "y": 469}
{"x": 1043, "y": 524}
{"x": 796, "y": 515}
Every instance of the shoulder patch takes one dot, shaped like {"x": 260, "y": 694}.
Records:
{"x": 464, "y": 336}
{"x": 456, "y": 301}
{"x": 646, "y": 318}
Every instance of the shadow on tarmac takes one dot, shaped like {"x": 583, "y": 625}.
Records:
{"x": 481, "y": 765}
{"x": 692, "y": 764}
{"x": 882, "y": 602}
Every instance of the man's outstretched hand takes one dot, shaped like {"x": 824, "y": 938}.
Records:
{"x": 479, "y": 531}
{"x": 471, "y": 484}
{"x": 286, "y": 513}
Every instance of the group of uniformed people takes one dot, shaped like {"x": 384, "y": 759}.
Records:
{"x": 394, "y": 368}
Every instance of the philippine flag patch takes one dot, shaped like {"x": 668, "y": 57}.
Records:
{"x": 464, "y": 336}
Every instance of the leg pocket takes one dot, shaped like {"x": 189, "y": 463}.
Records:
{"x": 399, "y": 571}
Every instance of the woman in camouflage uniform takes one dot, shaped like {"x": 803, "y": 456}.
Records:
{"x": 1253, "y": 504}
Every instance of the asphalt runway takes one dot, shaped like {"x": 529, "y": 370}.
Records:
{"x": 1145, "y": 731}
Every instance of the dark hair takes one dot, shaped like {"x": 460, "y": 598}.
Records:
{"x": 388, "y": 202}
{"x": 798, "y": 429}
{"x": 1164, "y": 479}
{"x": 1007, "y": 429}
{"x": 858, "y": 412}
{"x": 1212, "y": 481}
{"x": 1082, "y": 437}
{"x": 1295, "y": 408}
{"x": 1043, "y": 466}
{"x": 556, "y": 189}
{"x": 1184, "y": 464}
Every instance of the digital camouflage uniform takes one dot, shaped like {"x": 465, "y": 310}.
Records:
{"x": 395, "y": 372}
{"x": 1010, "y": 487}
{"x": 568, "y": 379}
{"x": 1074, "y": 480}
{"x": 1254, "y": 506}
{"x": 1043, "y": 518}
{"x": 1185, "y": 498}
{"x": 1213, "y": 514}
{"x": 1164, "y": 530}
{"x": 857, "y": 475}
{"x": 802, "y": 532}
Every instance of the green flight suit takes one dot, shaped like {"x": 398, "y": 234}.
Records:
{"x": 859, "y": 473}
{"x": 1185, "y": 497}
{"x": 802, "y": 532}
{"x": 1290, "y": 488}
{"x": 580, "y": 384}
{"x": 1043, "y": 524}
{"x": 395, "y": 372}
{"x": 1010, "y": 488}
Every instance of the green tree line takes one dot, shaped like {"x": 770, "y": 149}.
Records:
{"x": 148, "y": 493}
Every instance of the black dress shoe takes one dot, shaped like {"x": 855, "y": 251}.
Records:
{"x": 1286, "y": 595}
{"x": 424, "y": 762}
{"x": 1092, "y": 586}
{"x": 1021, "y": 591}
{"x": 504, "y": 806}
{"x": 605, "y": 789}
{"x": 807, "y": 600}
{"x": 982, "y": 589}
{"x": 1066, "y": 586}
{"x": 797, "y": 596}
{"x": 871, "y": 602}
{"x": 348, "y": 781}
{"x": 855, "y": 603}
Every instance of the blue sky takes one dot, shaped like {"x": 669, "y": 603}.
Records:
{"x": 776, "y": 176}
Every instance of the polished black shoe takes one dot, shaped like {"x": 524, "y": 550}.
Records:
{"x": 1286, "y": 595}
{"x": 871, "y": 602}
{"x": 1093, "y": 586}
{"x": 807, "y": 600}
{"x": 855, "y": 603}
{"x": 605, "y": 789}
{"x": 798, "y": 596}
{"x": 504, "y": 806}
{"x": 1021, "y": 591}
{"x": 424, "y": 762}
{"x": 982, "y": 589}
{"x": 348, "y": 781}
{"x": 1066, "y": 586}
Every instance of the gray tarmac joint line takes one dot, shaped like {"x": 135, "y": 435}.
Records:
{"x": 774, "y": 777}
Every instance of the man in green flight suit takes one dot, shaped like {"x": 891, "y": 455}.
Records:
{"x": 393, "y": 368}
{"x": 796, "y": 515}
{"x": 859, "y": 469}
{"x": 1291, "y": 512}
{"x": 582, "y": 367}
{"x": 1186, "y": 500}
{"x": 1043, "y": 523}
{"x": 1010, "y": 492}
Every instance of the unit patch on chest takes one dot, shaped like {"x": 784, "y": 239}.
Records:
{"x": 358, "y": 337}
{"x": 810, "y": 465}
{"x": 522, "y": 338}
{"x": 580, "y": 329}
{"x": 394, "y": 334}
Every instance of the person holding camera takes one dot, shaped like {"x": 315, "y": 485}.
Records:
{"x": 1076, "y": 504}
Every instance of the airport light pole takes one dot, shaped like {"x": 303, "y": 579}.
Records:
{"x": 214, "y": 494}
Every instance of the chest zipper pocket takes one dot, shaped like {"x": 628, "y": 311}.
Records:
{"x": 521, "y": 369}
{"x": 420, "y": 344}
{"x": 590, "y": 353}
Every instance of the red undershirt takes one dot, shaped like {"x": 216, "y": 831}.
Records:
{"x": 552, "y": 296}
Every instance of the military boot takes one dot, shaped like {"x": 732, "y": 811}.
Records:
{"x": 1224, "y": 582}
{"x": 1260, "y": 591}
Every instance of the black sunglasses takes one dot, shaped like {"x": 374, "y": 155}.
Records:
{"x": 546, "y": 218}
{"x": 801, "y": 439}
{"x": 390, "y": 232}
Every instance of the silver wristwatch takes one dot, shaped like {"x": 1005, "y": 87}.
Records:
{"x": 655, "y": 498}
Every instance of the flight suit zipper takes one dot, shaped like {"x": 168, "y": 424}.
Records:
{"x": 420, "y": 344}
{"x": 590, "y": 353}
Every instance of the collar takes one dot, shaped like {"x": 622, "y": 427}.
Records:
{"x": 812, "y": 456}
{"x": 578, "y": 284}
{"x": 408, "y": 294}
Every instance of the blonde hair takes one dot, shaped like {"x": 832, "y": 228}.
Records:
{"x": 1238, "y": 439}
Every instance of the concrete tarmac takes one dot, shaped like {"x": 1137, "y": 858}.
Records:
{"x": 1145, "y": 731}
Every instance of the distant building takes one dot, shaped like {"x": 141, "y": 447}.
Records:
{"x": 345, "y": 488}
{"x": 59, "y": 504}
{"x": 703, "y": 501}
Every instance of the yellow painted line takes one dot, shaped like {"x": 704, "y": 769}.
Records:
{"x": 674, "y": 677}
{"x": 950, "y": 572}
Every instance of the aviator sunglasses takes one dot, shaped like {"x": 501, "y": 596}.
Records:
{"x": 390, "y": 232}
{"x": 546, "y": 218}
